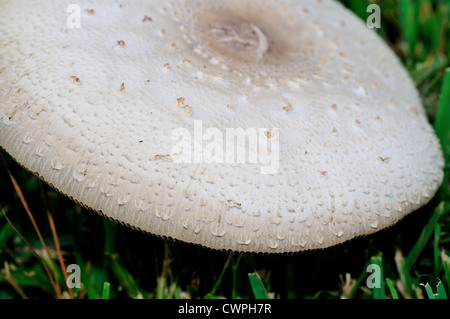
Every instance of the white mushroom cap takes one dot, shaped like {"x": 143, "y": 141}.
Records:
{"x": 92, "y": 111}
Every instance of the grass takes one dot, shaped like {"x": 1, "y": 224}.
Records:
{"x": 413, "y": 258}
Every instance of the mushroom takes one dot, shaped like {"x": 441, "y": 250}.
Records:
{"x": 125, "y": 108}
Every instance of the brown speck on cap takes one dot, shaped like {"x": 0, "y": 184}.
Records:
{"x": 181, "y": 102}
{"x": 165, "y": 156}
{"x": 75, "y": 79}
{"x": 188, "y": 110}
{"x": 414, "y": 110}
{"x": 288, "y": 107}
{"x": 147, "y": 19}
{"x": 272, "y": 133}
{"x": 232, "y": 203}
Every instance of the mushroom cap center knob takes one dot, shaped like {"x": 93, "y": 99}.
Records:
{"x": 242, "y": 36}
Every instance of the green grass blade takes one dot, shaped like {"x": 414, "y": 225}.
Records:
{"x": 429, "y": 291}
{"x": 441, "y": 294}
{"x": 446, "y": 265}
{"x": 176, "y": 291}
{"x": 436, "y": 250}
{"x": 234, "y": 276}
{"x": 425, "y": 71}
{"x": 378, "y": 273}
{"x": 435, "y": 28}
{"x": 161, "y": 284}
{"x": 391, "y": 288}
{"x": 425, "y": 235}
{"x": 409, "y": 13}
{"x": 219, "y": 279}
{"x": 259, "y": 291}
{"x": 359, "y": 281}
{"x": 106, "y": 290}
{"x": 6, "y": 232}
{"x": 442, "y": 125}
{"x": 408, "y": 263}
{"x": 442, "y": 128}
{"x": 440, "y": 291}
{"x": 124, "y": 277}
{"x": 359, "y": 7}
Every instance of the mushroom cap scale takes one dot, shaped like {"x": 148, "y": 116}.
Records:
{"x": 93, "y": 111}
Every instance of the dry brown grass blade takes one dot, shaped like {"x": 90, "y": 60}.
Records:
{"x": 53, "y": 278}
{"x": 31, "y": 248}
{"x": 55, "y": 237}
{"x": 13, "y": 282}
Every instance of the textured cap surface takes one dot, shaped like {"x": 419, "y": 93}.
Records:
{"x": 94, "y": 106}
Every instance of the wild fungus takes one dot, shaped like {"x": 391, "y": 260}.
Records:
{"x": 351, "y": 162}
